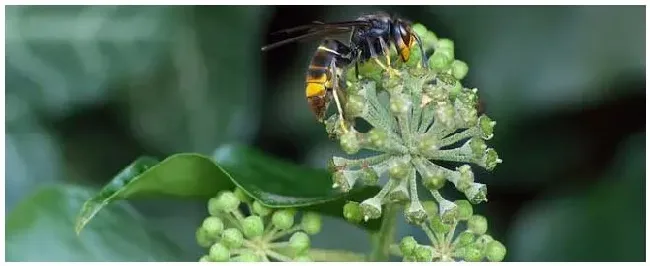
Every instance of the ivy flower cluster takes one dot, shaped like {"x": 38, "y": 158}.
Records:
{"x": 472, "y": 244}
{"x": 418, "y": 117}
{"x": 240, "y": 229}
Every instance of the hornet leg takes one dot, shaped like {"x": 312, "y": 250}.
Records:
{"x": 373, "y": 54}
{"x": 335, "y": 90}
{"x": 424, "y": 54}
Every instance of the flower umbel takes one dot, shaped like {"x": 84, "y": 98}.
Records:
{"x": 472, "y": 244}
{"x": 229, "y": 235}
{"x": 419, "y": 117}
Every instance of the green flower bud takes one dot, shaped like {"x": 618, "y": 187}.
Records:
{"x": 466, "y": 177}
{"x": 350, "y": 143}
{"x": 213, "y": 207}
{"x": 459, "y": 69}
{"x": 352, "y": 212}
{"x": 299, "y": 242}
{"x": 486, "y": 125}
{"x": 302, "y": 258}
{"x": 495, "y": 251}
{"x": 205, "y": 258}
{"x": 430, "y": 207}
{"x": 400, "y": 192}
{"x": 260, "y": 209}
{"x": 467, "y": 115}
{"x": 369, "y": 177}
{"x": 219, "y": 252}
{"x": 253, "y": 226}
{"x": 283, "y": 219}
{"x": 400, "y": 104}
{"x": 465, "y": 238}
{"x": 378, "y": 137}
{"x": 464, "y": 209}
{"x": 355, "y": 105}
{"x": 227, "y": 202}
{"x": 407, "y": 246}
{"x": 430, "y": 39}
{"x": 437, "y": 93}
{"x": 448, "y": 211}
{"x": 394, "y": 85}
{"x": 440, "y": 59}
{"x": 344, "y": 180}
{"x": 482, "y": 241}
{"x": 444, "y": 113}
{"x": 246, "y": 257}
{"x": 242, "y": 195}
{"x": 232, "y": 238}
{"x": 423, "y": 253}
{"x": 477, "y": 224}
{"x": 476, "y": 193}
{"x": 428, "y": 144}
{"x": 420, "y": 30}
{"x": 478, "y": 147}
{"x": 311, "y": 223}
{"x": 371, "y": 208}
{"x": 399, "y": 169}
{"x": 203, "y": 238}
{"x": 455, "y": 89}
{"x": 491, "y": 159}
{"x": 438, "y": 226}
{"x": 333, "y": 126}
{"x": 445, "y": 44}
{"x": 473, "y": 254}
{"x": 213, "y": 226}
{"x": 468, "y": 96}
{"x": 415, "y": 213}
{"x": 433, "y": 179}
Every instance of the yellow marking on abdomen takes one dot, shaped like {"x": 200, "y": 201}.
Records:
{"x": 315, "y": 89}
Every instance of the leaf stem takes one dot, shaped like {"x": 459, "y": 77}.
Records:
{"x": 384, "y": 237}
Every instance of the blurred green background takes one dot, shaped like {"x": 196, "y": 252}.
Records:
{"x": 89, "y": 89}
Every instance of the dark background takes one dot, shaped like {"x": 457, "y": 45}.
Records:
{"x": 88, "y": 89}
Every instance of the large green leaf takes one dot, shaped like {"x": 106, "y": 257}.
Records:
{"x": 274, "y": 182}
{"x": 180, "y": 175}
{"x": 41, "y": 228}
{"x": 278, "y": 183}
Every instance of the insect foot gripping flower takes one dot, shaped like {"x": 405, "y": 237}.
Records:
{"x": 417, "y": 118}
{"x": 229, "y": 235}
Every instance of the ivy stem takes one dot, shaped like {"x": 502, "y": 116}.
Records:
{"x": 280, "y": 234}
{"x": 384, "y": 237}
{"x": 277, "y": 256}
{"x": 335, "y": 255}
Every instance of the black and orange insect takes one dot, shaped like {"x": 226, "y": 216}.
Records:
{"x": 368, "y": 37}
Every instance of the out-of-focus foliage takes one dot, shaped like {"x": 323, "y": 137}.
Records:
{"x": 41, "y": 228}
{"x": 603, "y": 223}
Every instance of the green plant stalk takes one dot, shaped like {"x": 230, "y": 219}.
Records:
{"x": 384, "y": 237}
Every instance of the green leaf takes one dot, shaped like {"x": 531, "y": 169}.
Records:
{"x": 279, "y": 184}
{"x": 181, "y": 176}
{"x": 41, "y": 228}
{"x": 275, "y": 183}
